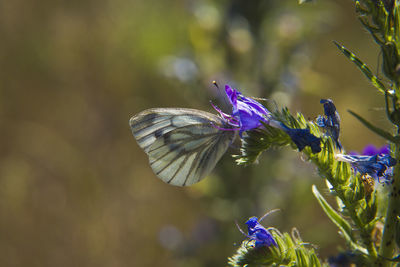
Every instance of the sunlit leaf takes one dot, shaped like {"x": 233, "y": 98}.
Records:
{"x": 373, "y": 128}
{"x": 341, "y": 223}
{"x": 363, "y": 67}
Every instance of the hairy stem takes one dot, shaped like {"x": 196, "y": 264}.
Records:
{"x": 388, "y": 244}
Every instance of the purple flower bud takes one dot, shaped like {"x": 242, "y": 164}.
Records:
{"x": 301, "y": 137}
{"x": 331, "y": 121}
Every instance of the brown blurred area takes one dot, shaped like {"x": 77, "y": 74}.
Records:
{"x": 76, "y": 190}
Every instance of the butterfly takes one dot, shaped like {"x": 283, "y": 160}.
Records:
{"x": 183, "y": 145}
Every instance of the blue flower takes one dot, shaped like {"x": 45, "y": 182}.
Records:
{"x": 258, "y": 233}
{"x": 377, "y": 166}
{"x": 247, "y": 114}
{"x": 301, "y": 137}
{"x": 331, "y": 121}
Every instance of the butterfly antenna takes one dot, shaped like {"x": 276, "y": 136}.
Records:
{"x": 215, "y": 84}
{"x": 268, "y": 213}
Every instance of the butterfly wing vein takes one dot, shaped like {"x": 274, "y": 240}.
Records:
{"x": 183, "y": 145}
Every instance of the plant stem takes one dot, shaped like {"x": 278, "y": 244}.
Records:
{"x": 393, "y": 210}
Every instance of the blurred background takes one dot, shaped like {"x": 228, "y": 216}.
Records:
{"x": 75, "y": 188}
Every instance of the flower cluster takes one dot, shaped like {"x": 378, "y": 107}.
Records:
{"x": 248, "y": 114}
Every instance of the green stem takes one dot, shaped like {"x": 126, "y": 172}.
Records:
{"x": 388, "y": 244}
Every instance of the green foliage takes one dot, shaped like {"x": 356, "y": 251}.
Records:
{"x": 381, "y": 19}
{"x": 356, "y": 214}
{"x": 356, "y": 201}
{"x": 291, "y": 251}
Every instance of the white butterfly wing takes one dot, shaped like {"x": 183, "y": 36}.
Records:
{"x": 183, "y": 145}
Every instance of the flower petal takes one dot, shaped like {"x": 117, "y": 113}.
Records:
{"x": 259, "y": 233}
{"x": 247, "y": 114}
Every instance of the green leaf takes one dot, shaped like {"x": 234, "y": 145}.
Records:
{"x": 373, "y": 128}
{"x": 341, "y": 223}
{"x": 363, "y": 67}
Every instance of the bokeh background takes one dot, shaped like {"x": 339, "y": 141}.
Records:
{"x": 75, "y": 188}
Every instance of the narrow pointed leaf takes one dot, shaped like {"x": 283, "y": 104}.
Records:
{"x": 341, "y": 223}
{"x": 373, "y": 128}
{"x": 363, "y": 67}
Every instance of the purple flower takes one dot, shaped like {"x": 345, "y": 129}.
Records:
{"x": 377, "y": 166}
{"x": 371, "y": 150}
{"x": 258, "y": 233}
{"x": 331, "y": 121}
{"x": 247, "y": 114}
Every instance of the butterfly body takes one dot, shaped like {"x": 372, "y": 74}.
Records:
{"x": 183, "y": 145}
